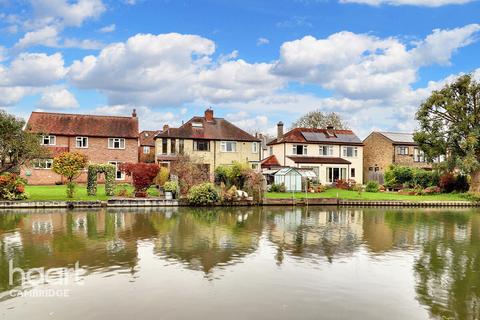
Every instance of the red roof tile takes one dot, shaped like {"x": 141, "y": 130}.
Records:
{"x": 325, "y": 160}
{"x": 83, "y": 125}
{"x": 270, "y": 161}
{"x": 147, "y": 138}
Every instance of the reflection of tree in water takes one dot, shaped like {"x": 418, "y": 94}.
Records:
{"x": 314, "y": 232}
{"x": 206, "y": 238}
{"x": 447, "y": 271}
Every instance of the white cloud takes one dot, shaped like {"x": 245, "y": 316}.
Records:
{"x": 425, "y": 3}
{"x": 65, "y": 12}
{"x": 107, "y": 29}
{"x": 58, "y": 99}
{"x": 46, "y": 36}
{"x": 262, "y": 41}
{"x": 87, "y": 44}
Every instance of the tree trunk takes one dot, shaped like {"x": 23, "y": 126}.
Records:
{"x": 475, "y": 182}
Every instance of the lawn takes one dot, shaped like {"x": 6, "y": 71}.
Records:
{"x": 354, "y": 195}
{"x": 59, "y": 193}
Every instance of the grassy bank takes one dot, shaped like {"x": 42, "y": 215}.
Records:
{"x": 353, "y": 195}
{"x": 58, "y": 193}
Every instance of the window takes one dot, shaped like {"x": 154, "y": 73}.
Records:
{"x": 146, "y": 150}
{"x": 228, "y": 146}
{"x": 164, "y": 145}
{"x": 299, "y": 149}
{"x": 334, "y": 174}
{"x": 402, "y": 151}
{"x": 119, "y": 175}
{"x": 81, "y": 142}
{"x": 254, "y": 166}
{"x": 173, "y": 146}
{"x": 351, "y": 152}
{"x": 181, "y": 146}
{"x": 326, "y": 150}
{"x": 255, "y": 147}
{"x": 201, "y": 145}
{"x": 197, "y": 125}
{"x": 352, "y": 172}
{"x": 418, "y": 155}
{"x": 116, "y": 143}
{"x": 42, "y": 163}
{"x": 47, "y": 140}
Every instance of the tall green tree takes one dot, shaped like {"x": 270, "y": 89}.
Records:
{"x": 70, "y": 165}
{"x": 16, "y": 145}
{"x": 450, "y": 125}
{"x": 320, "y": 120}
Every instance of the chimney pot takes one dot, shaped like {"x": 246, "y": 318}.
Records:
{"x": 209, "y": 114}
{"x": 134, "y": 113}
{"x": 280, "y": 130}
{"x": 165, "y": 127}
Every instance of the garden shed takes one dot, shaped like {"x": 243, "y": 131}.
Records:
{"x": 290, "y": 177}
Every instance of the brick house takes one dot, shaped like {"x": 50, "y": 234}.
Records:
{"x": 146, "y": 148}
{"x": 385, "y": 148}
{"x": 331, "y": 154}
{"x": 104, "y": 139}
{"x": 210, "y": 141}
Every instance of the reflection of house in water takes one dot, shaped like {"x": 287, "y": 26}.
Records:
{"x": 207, "y": 239}
{"x": 310, "y": 233}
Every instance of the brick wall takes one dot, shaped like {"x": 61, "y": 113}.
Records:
{"x": 377, "y": 152}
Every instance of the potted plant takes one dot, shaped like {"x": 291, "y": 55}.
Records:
{"x": 170, "y": 188}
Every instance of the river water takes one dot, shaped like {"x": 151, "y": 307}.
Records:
{"x": 240, "y": 263}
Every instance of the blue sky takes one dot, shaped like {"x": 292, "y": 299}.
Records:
{"x": 254, "y": 62}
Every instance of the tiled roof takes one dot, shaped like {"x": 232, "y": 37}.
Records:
{"x": 147, "y": 138}
{"x": 83, "y": 125}
{"x": 399, "y": 137}
{"x": 326, "y": 136}
{"x": 270, "y": 161}
{"x": 324, "y": 160}
{"x": 200, "y": 128}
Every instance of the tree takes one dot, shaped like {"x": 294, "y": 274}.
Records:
{"x": 189, "y": 173}
{"x": 17, "y": 146}
{"x": 449, "y": 125}
{"x": 70, "y": 166}
{"x": 142, "y": 175}
{"x": 320, "y": 120}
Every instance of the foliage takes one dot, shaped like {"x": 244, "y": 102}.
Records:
{"x": 171, "y": 186}
{"x": 449, "y": 121}
{"x": 232, "y": 175}
{"x": 357, "y": 188}
{"x": 372, "y": 186}
{"x": 425, "y": 178}
{"x": 142, "y": 175}
{"x": 203, "y": 194}
{"x": 123, "y": 190}
{"x": 17, "y": 146}
{"x": 275, "y": 187}
{"x": 162, "y": 176}
{"x": 345, "y": 184}
{"x": 450, "y": 182}
{"x": 70, "y": 166}
{"x": 254, "y": 185}
{"x": 228, "y": 196}
{"x": 109, "y": 170}
{"x": 189, "y": 173}
{"x": 398, "y": 176}
{"x": 12, "y": 187}
{"x": 318, "y": 119}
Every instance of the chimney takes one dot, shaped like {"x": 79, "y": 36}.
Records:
{"x": 209, "y": 114}
{"x": 280, "y": 130}
{"x": 165, "y": 127}
{"x": 134, "y": 113}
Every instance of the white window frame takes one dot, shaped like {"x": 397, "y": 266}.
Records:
{"x": 329, "y": 148}
{"x": 48, "y": 163}
{"x": 146, "y": 149}
{"x": 402, "y": 151}
{"x": 304, "y": 149}
{"x": 342, "y": 173}
{"x": 122, "y": 174}
{"x": 81, "y": 140}
{"x": 224, "y": 146}
{"x": 354, "y": 152}
{"x": 254, "y": 147}
{"x": 49, "y": 138}
{"x": 112, "y": 141}
{"x": 418, "y": 155}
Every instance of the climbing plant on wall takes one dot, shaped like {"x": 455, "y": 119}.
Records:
{"x": 109, "y": 170}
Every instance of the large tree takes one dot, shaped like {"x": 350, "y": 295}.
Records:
{"x": 450, "y": 125}
{"x": 16, "y": 145}
{"x": 319, "y": 119}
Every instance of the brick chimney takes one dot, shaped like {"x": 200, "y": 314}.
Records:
{"x": 209, "y": 114}
{"x": 134, "y": 113}
{"x": 280, "y": 130}
{"x": 165, "y": 127}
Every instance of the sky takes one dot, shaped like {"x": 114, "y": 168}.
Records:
{"x": 254, "y": 62}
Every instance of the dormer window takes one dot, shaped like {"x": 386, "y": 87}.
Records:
{"x": 47, "y": 140}
{"x": 197, "y": 125}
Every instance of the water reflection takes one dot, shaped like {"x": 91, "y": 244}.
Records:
{"x": 440, "y": 248}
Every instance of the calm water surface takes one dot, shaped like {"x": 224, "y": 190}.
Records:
{"x": 261, "y": 263}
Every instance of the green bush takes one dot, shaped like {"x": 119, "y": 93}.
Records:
{"x": 425, "y": 178}
{"x": 109, "y": 170}
{"x": 12, "y": 187}
{"x": 372, "y": 186}
{"x": 170, "y": 186}
{"x": 398, "y": 176}
{"x": 203, "y": 194}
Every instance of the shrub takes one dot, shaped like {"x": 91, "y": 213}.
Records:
{"x": 123, "y": 190}
{"x": 70, "y": 166}
{"x": 425, "y": 178}
{"x": 171, "y": 186}
{"x": 222, "y": 175}
{"x": 282, "y": 188}
{"x": 432, "y": 190}
{"x": 398, "y": 175}
{"x": 372, "y": 186}
{"x": 254, "y": 184}
{"x": 320, "y": 188}
{"x": 345, "y": 184}
{"x": 109, "y": 170}
{"x": 142, "y": 175}
{"x": 12, "y": 187}
{"x": 203, "y": 194}
{"x": 230, "y": 195}
{"x": 162, "y": 176}
{"x": 357, "y": 188}
{"x": 189, "y": 173}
